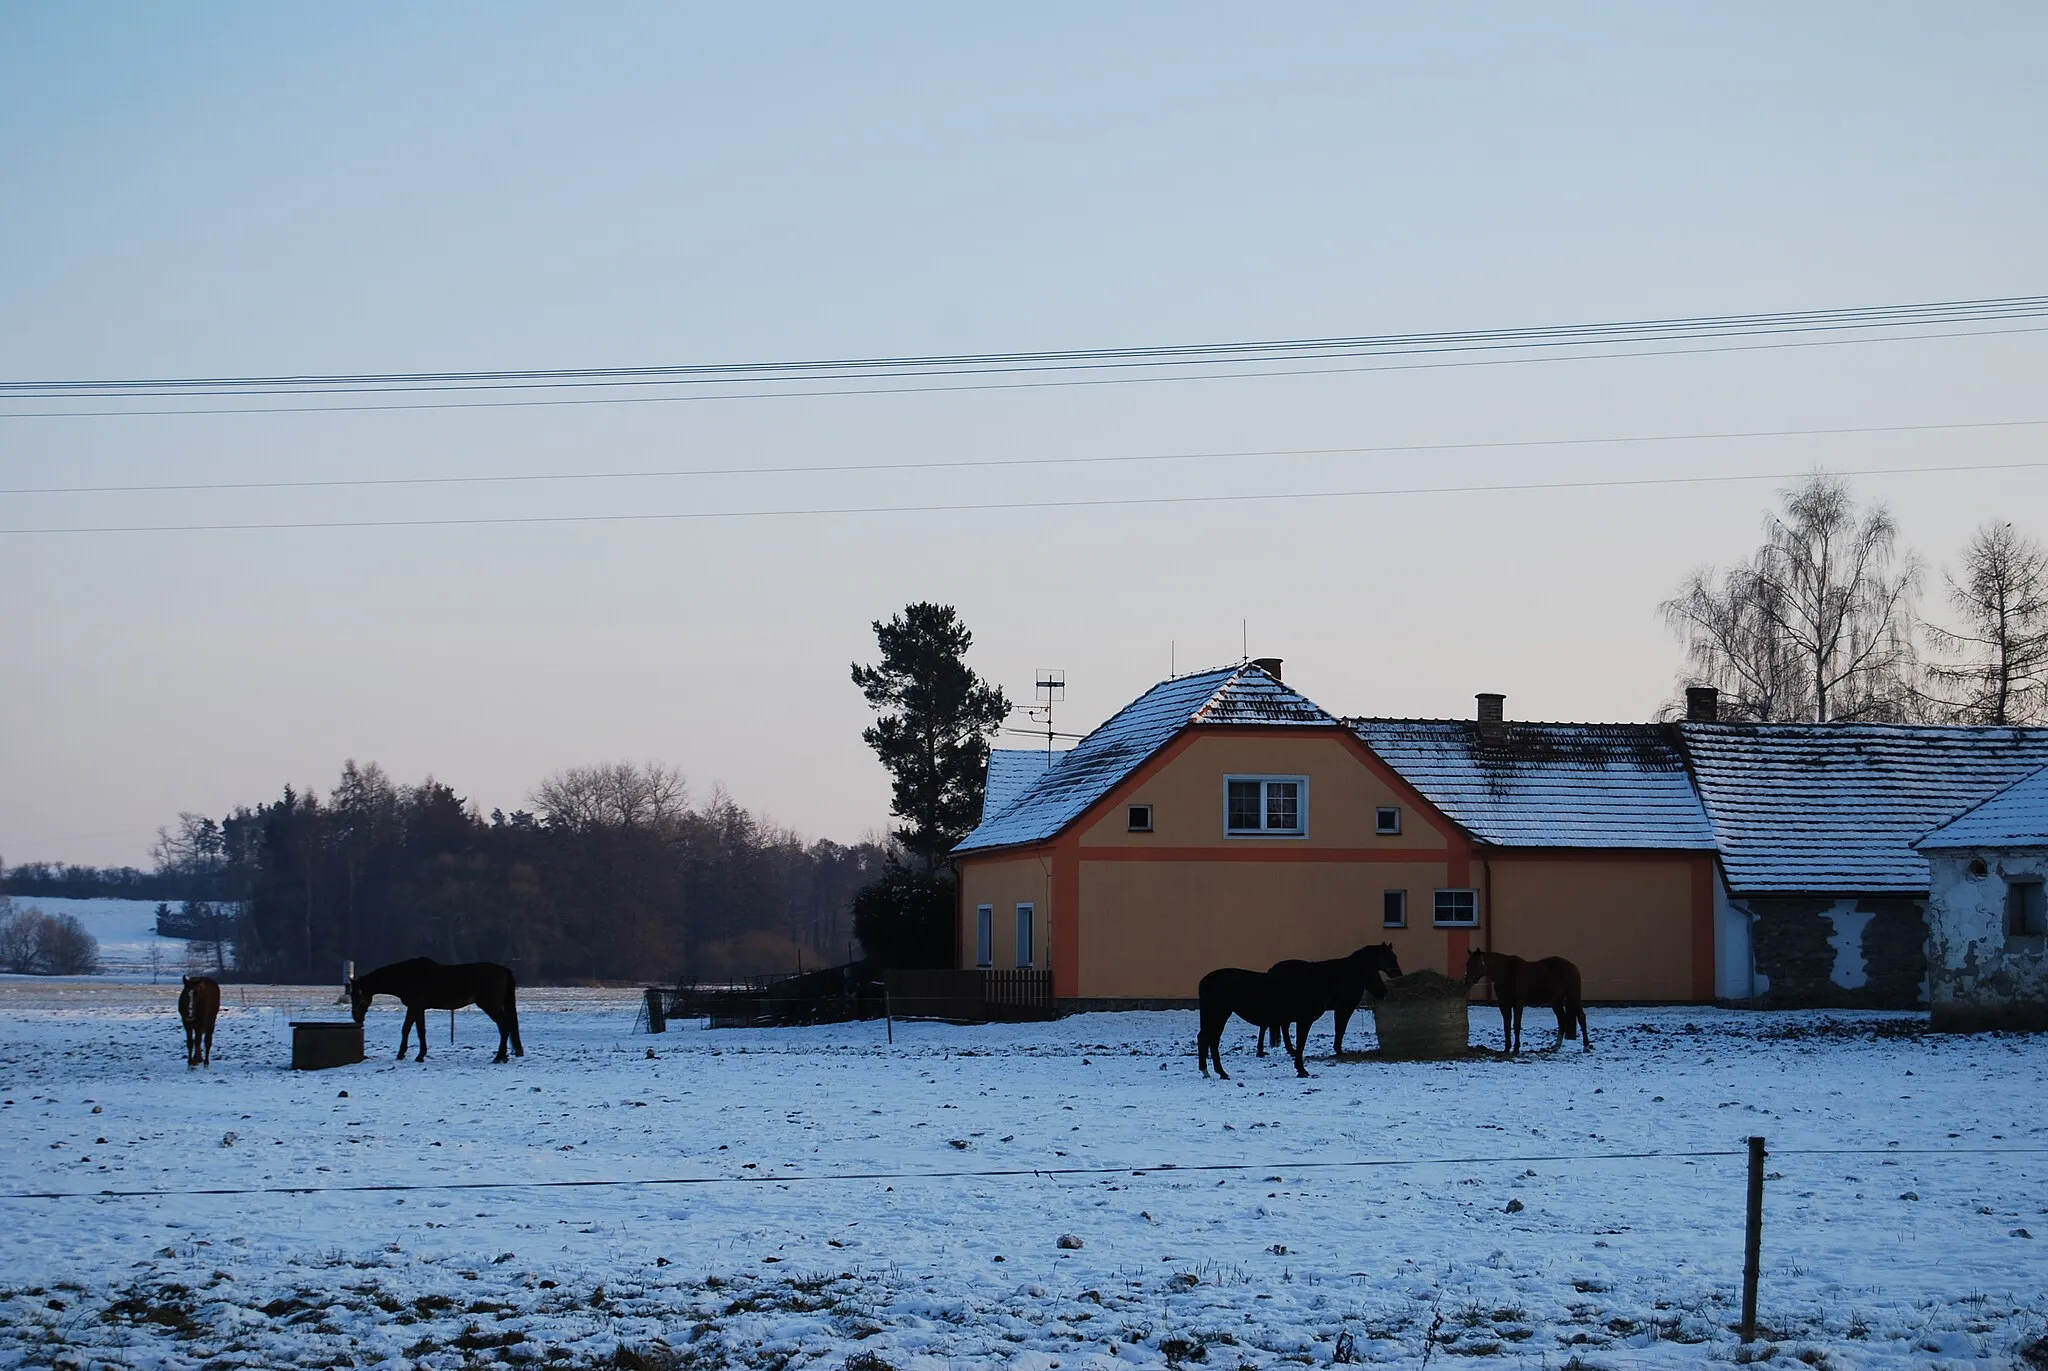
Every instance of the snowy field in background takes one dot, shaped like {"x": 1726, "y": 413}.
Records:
{"x": 1909, "y": 1251}
{"x": 130, "y": 948}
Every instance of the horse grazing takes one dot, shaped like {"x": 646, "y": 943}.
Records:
{"x": 1340, "y": 984}
{"x": 424, "y": 984}
{"x": 198, "y": 1007}
{"x": 1552, "y": 981}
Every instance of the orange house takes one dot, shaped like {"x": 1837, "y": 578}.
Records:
{"x": 1224, "y": 819}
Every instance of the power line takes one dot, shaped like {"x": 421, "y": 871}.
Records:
{"x": 971, "y": 386}
{"x": 1006, "y": 462}
{"x": 990, "y": 506}
{"x": 1683, "y": 328}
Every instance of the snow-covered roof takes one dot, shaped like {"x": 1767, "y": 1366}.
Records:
{"x": 1838, "y": 808}
{"x": 1011, "y": 772}
{"x": 1242, "y": 694}
{"x": 1549, "y": 785}
{"x": 2016, "y": 816}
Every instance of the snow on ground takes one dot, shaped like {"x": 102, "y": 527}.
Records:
{"x": 130, "y": 947}
{"x": 1093, "y": 1238}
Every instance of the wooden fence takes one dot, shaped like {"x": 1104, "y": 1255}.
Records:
{"x": 971, "y": 996}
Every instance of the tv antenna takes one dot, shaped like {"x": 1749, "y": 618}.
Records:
{"x": 1051, "y": 688}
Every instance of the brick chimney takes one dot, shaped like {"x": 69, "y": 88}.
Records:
{"x": 1702, "y": 705}
{"x": 1493, "y": 729}
{"x": 1269, "y": 665}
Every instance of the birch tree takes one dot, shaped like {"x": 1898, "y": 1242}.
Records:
{"x": 1817, "y": 625}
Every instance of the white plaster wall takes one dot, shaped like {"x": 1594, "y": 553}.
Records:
{"x": 1970, "y": 961}
{"x": 1735, "y": 973}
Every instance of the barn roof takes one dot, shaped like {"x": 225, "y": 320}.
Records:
{"x": 1242, "y": 694}
{"x": 2016, "y": 816}
{"x": 1839, "y": 808}
{"x": 1549, "y": 785}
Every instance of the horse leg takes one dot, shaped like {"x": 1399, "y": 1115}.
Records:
{"x": 1585, "y": 1034}
{"x": 1507, "y": 1030}
{"x": 206, "y": 1040}
{"x": 1518, "y": 1031}
{"x": 1300, "y": 1043}
{"x": 1262, "y": 1040}
{"x": 1343, "y": 1018}
{"x": 504, "y": 1034}
{"x": 512, "y": 1013}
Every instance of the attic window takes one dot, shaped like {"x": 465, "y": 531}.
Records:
{"x": 1265, "y": 806}
{"x": 1387, "y": 819}
{"x": 2026, "y": 911}
{"x": 1141, "y": 818}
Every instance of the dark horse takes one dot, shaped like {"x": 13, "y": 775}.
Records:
{"x": 1345, "y": 981}
{"x": 1291, "y": 996}
{"x": 199, "y": 1006}
{"x": 1552, "y": 981}
{"x": 424, "y": 984}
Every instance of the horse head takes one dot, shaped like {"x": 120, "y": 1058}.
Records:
{"x": 1385, "y": 961}
{"x": 1475, "y": 967}
{"x": 359, "y": 997}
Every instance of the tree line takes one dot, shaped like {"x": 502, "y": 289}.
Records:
{"x": 1822, "y": 622}
{"x": 614, "y": 874}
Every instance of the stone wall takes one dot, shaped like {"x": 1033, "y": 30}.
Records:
{"x": 1978, "y": 977}
{"x": 1868, "y": 953}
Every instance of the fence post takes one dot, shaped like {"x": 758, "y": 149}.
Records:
{"x": 657, "y": 1012}
{"x": 889, "y": 1012}
{"x": 1753, "y": 1239}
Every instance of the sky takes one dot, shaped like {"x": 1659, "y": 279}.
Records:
{"x": 240, "y": 190}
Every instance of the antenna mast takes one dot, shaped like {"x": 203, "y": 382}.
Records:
{"x": 1052, "y": 688}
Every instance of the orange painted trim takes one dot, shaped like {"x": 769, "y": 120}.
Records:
{"x": 1457, "y": 945}
{"x": 1066, "y": 916}
{"x": 1279, "y": 850}
{"x": 1004, "y": 854}
{"x": 1703, "y": 928}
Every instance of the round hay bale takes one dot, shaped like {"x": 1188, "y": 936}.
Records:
{"x": 1422, "y": 1018}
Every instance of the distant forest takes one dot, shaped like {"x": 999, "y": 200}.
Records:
{"x": 614, "y": 875}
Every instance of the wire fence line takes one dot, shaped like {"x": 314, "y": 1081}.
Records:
{"x": 1002, "y": 1173}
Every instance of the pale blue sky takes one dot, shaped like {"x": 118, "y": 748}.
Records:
{"x": 228, "y": 190}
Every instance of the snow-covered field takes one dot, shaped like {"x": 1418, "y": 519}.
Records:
{"x": 1033, "y": 1196}
{"x": 129, "y": 946}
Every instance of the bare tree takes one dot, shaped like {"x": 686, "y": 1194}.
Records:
{"x": 613, "y": 795}
{"x": 1817, "y": 624}
{"x": 2001, "y": 676}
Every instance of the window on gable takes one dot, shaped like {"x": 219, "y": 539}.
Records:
{"x": 1395, "y": 903}
{"x": 2026, "y": 909}
{"x": 1141, "y": 818}
{"x": 1386, "y": 819}
{"x": 1457, "y": 908}
{"x": 1270, "y": 806}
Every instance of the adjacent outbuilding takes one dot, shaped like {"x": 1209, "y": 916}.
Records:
{"x": 1987, "y": 913}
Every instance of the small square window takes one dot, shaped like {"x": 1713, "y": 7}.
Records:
{"x": 1387, "y": 819}
{"x": 1395, "y": 903}
{"x": 1141, "y": 818}
{"x": 2026, "y": 909}
{"x": 1457, "y": 908}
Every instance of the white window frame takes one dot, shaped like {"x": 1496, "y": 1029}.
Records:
{"x": 1131, "y": 818}
{"x": 1437, "y": 904}
{"x": 1380, "y": 825}
{"x": 984, "y": 935}
{"x": 1027, "y": 935}
{"x": 1402, "y": 922}
{"x": 1300, "y": 829}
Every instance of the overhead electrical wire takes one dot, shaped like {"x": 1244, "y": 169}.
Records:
{"x": 991, "y": 506}
{"x": 998, "y": 463}
{"x": 1166, "y": 362}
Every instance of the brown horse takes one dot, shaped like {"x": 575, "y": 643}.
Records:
{"x": 424, "y": 984}
{"x": 1552, "y": 981}
{"x": 199, "y": 1006}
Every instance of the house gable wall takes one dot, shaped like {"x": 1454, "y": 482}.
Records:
{"x": 1978, "y": 977}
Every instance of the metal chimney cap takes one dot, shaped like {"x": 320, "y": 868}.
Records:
{"x": 1492, "y": 707}
{"x": 1269, "y": 665}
